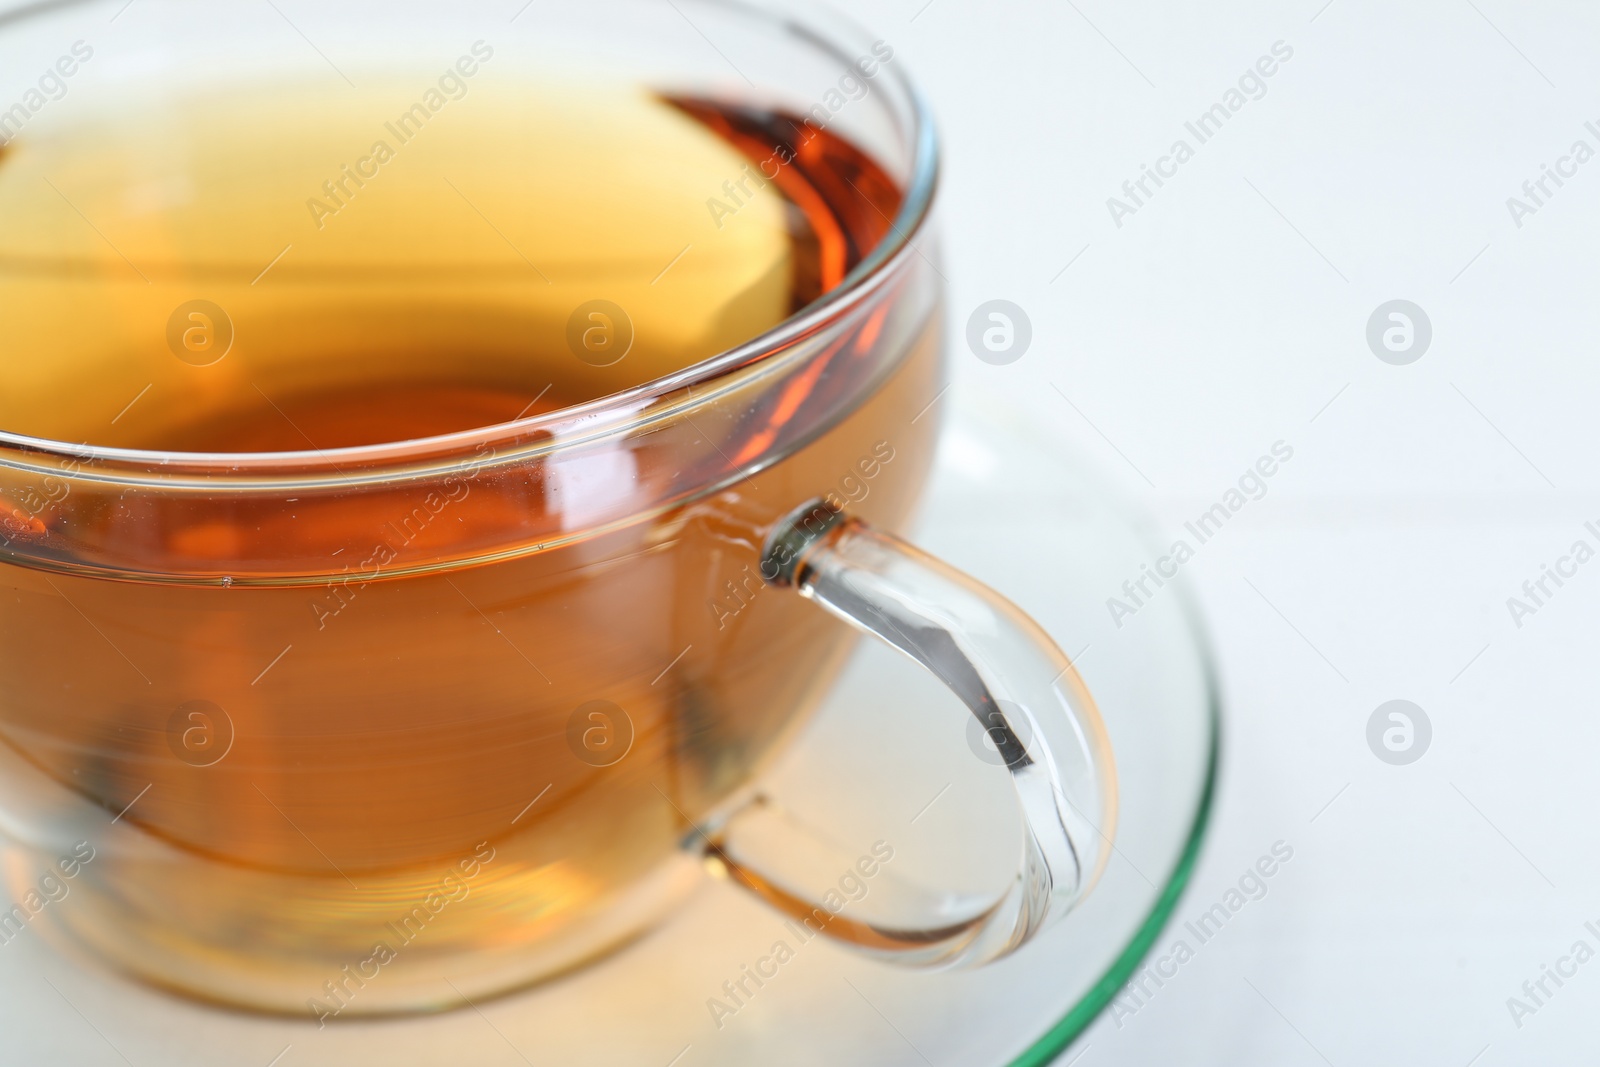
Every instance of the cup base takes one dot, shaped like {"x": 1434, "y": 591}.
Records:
{"x": 428, "y": 982}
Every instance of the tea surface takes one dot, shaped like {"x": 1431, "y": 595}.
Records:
{"x": 266, "y": 273}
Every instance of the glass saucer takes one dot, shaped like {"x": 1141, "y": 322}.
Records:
{"x": 889, "y": 757}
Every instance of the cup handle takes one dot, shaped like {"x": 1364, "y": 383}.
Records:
{"x": 1022, "y": 689}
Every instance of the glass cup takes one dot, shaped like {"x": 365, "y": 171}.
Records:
{"x": 371, "y": 729}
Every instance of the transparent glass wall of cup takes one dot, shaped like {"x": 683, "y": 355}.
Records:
{"x": 381, "y": 727}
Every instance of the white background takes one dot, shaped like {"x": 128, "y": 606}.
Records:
{"x": 1229, "y": 313}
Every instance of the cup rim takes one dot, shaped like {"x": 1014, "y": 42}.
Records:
{"x": 599, "y": 417}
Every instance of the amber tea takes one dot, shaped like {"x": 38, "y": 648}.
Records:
{"x": 326, "y": 747}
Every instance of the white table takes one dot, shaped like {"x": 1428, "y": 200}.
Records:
{"x": 1230, "y": 312}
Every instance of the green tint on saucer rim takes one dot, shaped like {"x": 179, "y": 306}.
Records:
{"x": 1076, "y": 1021}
